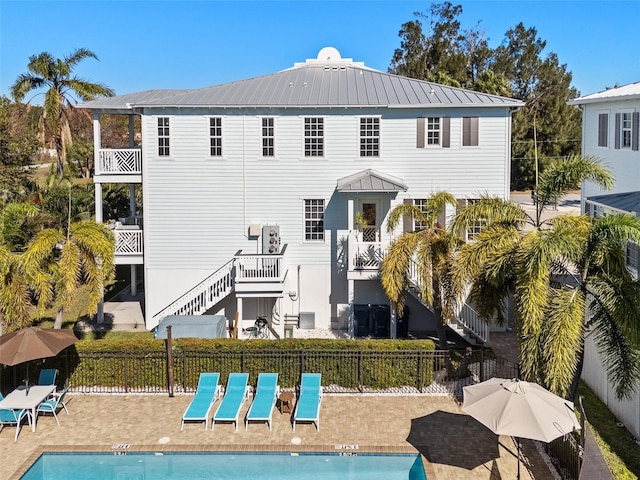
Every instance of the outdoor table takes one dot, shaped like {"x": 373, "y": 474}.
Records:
{"x": 20, "y": 400}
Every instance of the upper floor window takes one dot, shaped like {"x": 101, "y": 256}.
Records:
{"x": 370, "y": 137}
{"x": 433, "y": 132}
{"x": 268, "y": 137}
{"x": 163, "y": 136}
{"x": 603, "y": 129}
{"x": 474, "y": 229}
{"x": 313, "y": 137}
{"x": 215, "y": 135}
{"x": 470, "y": 131}
{"x": 626, "y": 134}
{"x": 314, "y": 219}
{"x": 421, "y": 203}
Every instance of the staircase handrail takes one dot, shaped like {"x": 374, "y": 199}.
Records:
{"x": 216, "y": 286}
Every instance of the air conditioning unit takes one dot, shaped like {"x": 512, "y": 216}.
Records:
{"x": 270, "y": 240}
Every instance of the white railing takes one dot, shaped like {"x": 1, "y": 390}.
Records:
{"x": 121, "y": 161}
{"x": 204, "y": 295}
{"x": 367, "y": 255}
{"x": 128, "y": 242}
{"x": 470, "y": 320}
{"x": 260, "y": 268}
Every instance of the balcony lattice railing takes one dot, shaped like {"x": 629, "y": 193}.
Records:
{"x": 119, "y": 161}
{"x": 252, "y": 268}
{"x": 128, "y": 242}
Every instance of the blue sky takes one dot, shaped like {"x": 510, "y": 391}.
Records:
{"x": 151, "y": 44}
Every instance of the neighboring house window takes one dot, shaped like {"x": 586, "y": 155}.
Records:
{"x": 313, "y": 137}
{"x": 433, "y": 132}
{"x": 314, "y": 219}
{"x": 603, "y": 129}
{"x": 268, "y": 137}
{"x": 626, "y": 134}
{"x": 370, "y": 137}
{"x": 163, "y": 136}
{"x": 632, "y": 257}
{"x": 470, "y": 131}
{"x": 215, "y": 135}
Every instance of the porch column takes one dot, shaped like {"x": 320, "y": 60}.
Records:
{"x": 351, "y": 292}
{"x": 97, "y": 188}
{"x": 97, "y": 143}
{"x": 240, "y": 315}
{"x": 132, "y": 200}
{"x": 132, "y": 140}
{"x": 393, "y": 327}
{"x": 134, "y": 280}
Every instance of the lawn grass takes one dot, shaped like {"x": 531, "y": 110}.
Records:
{"x": 617, "y": 444}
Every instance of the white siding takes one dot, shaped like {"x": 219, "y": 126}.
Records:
{"x": 197, "y": 209}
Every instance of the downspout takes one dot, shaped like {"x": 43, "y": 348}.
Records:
{"x": 244, "y": 181}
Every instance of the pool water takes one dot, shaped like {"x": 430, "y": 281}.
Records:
{"x": 232, "y": 466}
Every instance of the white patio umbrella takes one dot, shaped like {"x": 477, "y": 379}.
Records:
{"x": 520, "y": 409}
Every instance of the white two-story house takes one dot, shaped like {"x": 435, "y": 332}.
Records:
{"x": 610, "y": 127}
{"x": 251, "y": 189}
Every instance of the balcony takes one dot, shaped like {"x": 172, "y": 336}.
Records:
{"x": 260, "y": 275}
{"x": 129, "y": 244}
{"x": 365, "y": 258}
{"x": 119, "y": 164}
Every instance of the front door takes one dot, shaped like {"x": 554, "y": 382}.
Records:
{"x": 369, "y": 216}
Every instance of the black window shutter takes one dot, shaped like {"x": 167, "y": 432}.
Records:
{"x": 603, "y": 129}
{"x": 407, "y": 220}
{"x": 617, "y": 140}
{"x": 446, "y": 132}
{"x": 634, "y": 130}
{"x": 420, "y": 133}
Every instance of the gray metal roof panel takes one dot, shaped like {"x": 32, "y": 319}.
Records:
{"x": 370, "y": 181}
{"x": 626, "y": 201}
{"x": 625, "y": 92}
{"x": 312, "y": 86}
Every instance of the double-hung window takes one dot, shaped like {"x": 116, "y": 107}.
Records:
{"x": 370, "y": 137}
{"x": 422, "y": 204}
{"x": 626, "y": 133}
{"x": 625, "y": 129}
{"x": 268, "y": 137}
{"x": 163, "y": 136}
{"x": 313, "y": 137}
{"x": 215, "y": 136}
{"x": 314, "y": 220}
{"x": 603, "y": 129}
{"x": 433, "y": 132}
{"x": 473, "y": 229}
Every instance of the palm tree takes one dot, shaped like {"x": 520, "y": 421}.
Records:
{"x": 431, "y": 250}
{"x": 60, "y": 262}
{"x": 557, "y": 271}
{"x": 56, "y": 75}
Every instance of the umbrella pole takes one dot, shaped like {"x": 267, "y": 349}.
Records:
{"x": 518, "y": 441}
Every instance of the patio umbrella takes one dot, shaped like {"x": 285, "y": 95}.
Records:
{"x": 32, "y": 343}
{"x": 519, "y": 409}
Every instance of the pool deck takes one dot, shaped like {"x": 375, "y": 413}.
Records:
{"x": 454, "y": 446}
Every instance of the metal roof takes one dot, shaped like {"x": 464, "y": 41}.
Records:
{"x": 626, "y": 92}
{"x": 323, "y": 82}
{"x": 371, "y": 181}
{"x": 627, "y": 201}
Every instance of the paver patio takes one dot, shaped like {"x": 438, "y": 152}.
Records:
{"x": 455, "y": 446}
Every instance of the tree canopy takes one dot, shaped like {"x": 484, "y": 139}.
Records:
{"x": 435, "y": 47}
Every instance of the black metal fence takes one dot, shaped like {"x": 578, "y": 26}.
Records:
{"x": 343, "y": 371}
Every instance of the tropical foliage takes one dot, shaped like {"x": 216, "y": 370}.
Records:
{"x": 557, "y": 270}
{"x": 422, "y": 258}
{"x": 60, "y": 261}
{"x": 56, "y": 76}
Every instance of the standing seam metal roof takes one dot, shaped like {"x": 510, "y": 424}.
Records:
{"x": 332, "y": 84}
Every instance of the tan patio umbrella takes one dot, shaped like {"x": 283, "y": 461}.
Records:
{"x": 32, "y": 343}
{"x": 519, "y": 409}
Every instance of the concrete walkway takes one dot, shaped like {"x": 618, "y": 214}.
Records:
{"x": 455, "y": 447}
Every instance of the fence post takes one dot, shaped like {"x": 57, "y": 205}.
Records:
{"x": 126, "y": 372}
{"x": 184, "y": 371}
{"x": 419, "y": 370}
{"x": 169, "y": 360}
{"x": 360, "y": 374}
{"x": 482, "y": 364}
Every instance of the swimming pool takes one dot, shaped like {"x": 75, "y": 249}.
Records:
{"x": 227, "y": 466}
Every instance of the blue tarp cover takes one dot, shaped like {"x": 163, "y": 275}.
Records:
{"x": 193, "y": 326}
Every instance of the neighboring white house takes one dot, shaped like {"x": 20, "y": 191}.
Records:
{"x": 251, "y": 189}
{"x": 610, "y": 132}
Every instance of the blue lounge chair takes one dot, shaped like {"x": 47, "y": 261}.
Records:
{"x": 308, "y": 404}
{"x": 47, "y": 376}
{"x": 52, "y": 404}
{"x": 9, "y": 417}
{"x": 235, "y": 394}
{"x": 267, "y": 391}
{"x": 207, "y": 393}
